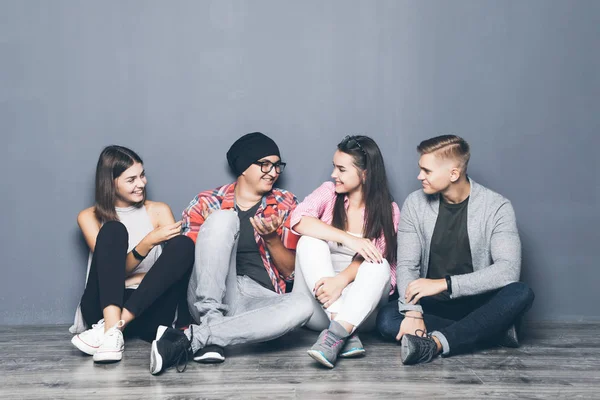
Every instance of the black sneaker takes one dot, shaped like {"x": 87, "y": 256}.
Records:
{"x": 510, "y": 338}
{"x": 417, "y": 349}
{"x": 170, "y": 347}
{"x": 211, "y": 354}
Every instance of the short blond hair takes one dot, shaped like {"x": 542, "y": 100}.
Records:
{"x": 447, "y": 146}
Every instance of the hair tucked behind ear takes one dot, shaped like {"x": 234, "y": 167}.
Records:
{"x": 379, "y": 217}
{"x": 113, "y": 161}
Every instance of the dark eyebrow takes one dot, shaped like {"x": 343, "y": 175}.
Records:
{"x": 135, "y": 176}
{"x": 424, "y": 169}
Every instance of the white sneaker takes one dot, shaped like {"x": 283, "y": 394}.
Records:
{"x": 90, "y": 340}
{"x": 112, "y": 345}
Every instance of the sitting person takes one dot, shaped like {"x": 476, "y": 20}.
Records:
{"x": 244, "y": 257}
{"x": 459, "y": 261}
{"x": 346, "y": 258}
{"x": 126, "y": 233}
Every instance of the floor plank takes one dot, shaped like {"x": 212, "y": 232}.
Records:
{"x": 554, "y": 361}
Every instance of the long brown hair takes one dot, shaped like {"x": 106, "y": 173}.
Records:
{"x": 113, "y": 161}
{"x": 376, "y": 194}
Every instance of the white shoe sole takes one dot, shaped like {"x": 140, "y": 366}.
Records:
{"x": 353, "y": 353}
{"x": 156, "y": 361}
{"x": 318, "y": 356}
{"x": 210, "y": 358}
{"x": 83, "y": 346}
{"x": 108, "y": 356}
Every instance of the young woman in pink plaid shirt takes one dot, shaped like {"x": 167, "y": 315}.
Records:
{"x": 346, "y": 258}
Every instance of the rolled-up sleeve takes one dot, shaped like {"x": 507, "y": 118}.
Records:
{"x": 314, "y": 204}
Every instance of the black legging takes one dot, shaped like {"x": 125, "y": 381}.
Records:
{"x": 159, "y": 295}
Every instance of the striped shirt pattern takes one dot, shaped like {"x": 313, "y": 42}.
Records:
{"x": 320, "y": 203}
{"x": 223, "y": 198}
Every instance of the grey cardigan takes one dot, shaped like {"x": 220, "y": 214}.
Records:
{"x": 493, "y": 237}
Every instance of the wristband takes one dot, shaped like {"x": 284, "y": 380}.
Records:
{"x": 449, "y": 283}
{"x": 137, "y": 255}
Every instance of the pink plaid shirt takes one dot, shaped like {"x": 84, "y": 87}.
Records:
{"x": 319, "y": 204}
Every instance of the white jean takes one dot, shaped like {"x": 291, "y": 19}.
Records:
{"x": 316, "y": 259}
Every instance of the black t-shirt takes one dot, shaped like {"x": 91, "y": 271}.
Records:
{"x": 249, "y": 262}
{"x": 450, "y": 253}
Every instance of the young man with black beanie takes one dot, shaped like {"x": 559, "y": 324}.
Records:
{"x": 245, "y": 254}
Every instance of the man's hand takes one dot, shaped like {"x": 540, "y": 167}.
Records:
{"x": 422, "y": 288}
{"x": 205, "y": 211}
{"x": 329, "y": 289}
{"x": 267, "y": 227}
{"x": 412, "y": 322}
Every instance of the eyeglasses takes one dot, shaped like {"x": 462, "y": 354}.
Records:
{"x": 267, "y": 166}
{"x": 351, "y": 142}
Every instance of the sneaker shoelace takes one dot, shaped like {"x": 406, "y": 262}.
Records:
{"x": 331, "y": 340}
{"x": 183, "y": 357}
{"x": 98, "y": 325}
{"x": 113, "y": 338}
{"x": 426, "y": 347}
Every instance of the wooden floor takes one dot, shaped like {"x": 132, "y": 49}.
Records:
{"x": 554, "y": 361}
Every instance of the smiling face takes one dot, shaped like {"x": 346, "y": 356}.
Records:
{"x": 130, "y": 186}
{"x": 347, "y": 177}
{"x": 437, "y": 173}
{"x": 261, "y": 182}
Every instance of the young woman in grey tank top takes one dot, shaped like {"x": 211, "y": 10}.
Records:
{"x": 139, "y": 263}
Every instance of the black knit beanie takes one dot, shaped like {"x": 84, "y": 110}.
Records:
{"x": 248, "y": 149}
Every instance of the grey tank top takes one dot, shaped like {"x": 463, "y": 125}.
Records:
{"x": 138, "y": 224}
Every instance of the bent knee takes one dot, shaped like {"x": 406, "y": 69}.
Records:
{"x": 302, "y": 306}
{"x": 379, "y": 270}
{"x": 521, "y": 291}
{"x": 221, "y": 221}
{"x": 113, "y": 231}
{"x": 182, "y": 243}
{"x": 308, "y": 243}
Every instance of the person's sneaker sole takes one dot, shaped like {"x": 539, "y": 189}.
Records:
{"x": 405, "y": 349}
{"x": 353, "y": 353}
{"x": 83, "y": 346}
{"x": 156, "y": 361}
{"x": 318, "y": 356}
{"x": 108, "y": 356}
{"x": 210, "y": 358}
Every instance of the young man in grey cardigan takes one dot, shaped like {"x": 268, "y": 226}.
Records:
{"x": 459, "y": 261}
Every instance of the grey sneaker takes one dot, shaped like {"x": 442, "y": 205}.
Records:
{"x": 329, "y": 344}
{"x": 353, "y": 347}
{"x": 417, "y": 349}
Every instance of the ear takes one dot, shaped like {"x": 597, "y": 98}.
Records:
{"x": 455, "y": 174}
{"x": 363, "y": 176}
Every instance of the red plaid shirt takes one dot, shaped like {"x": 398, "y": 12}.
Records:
{"x": 223, "y": 198}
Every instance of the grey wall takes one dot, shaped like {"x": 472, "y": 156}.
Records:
{"x": 178, "y": 81}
